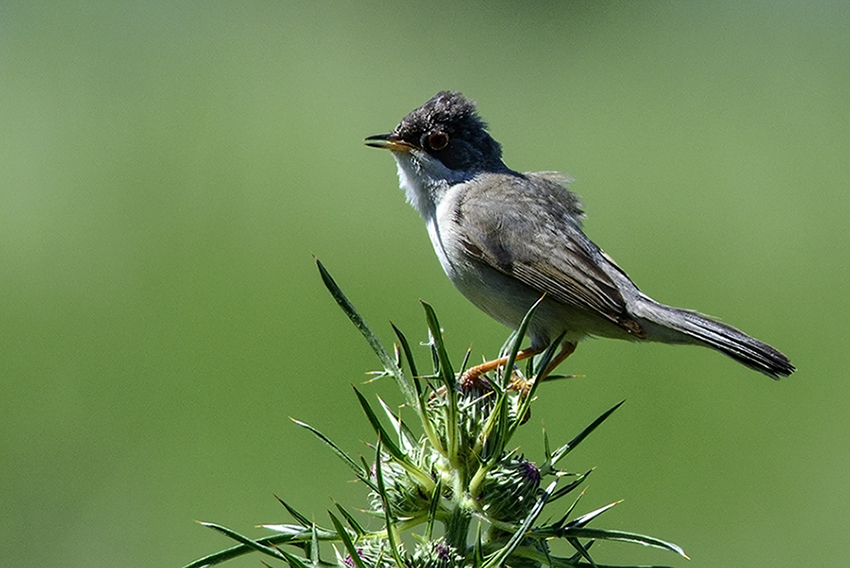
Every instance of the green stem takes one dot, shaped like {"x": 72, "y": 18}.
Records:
{"x": 457, "y": 528}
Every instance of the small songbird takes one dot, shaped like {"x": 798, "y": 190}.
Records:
{"x": 506, "y": 239}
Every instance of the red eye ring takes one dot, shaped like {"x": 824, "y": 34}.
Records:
{"x": 438, "y": 140}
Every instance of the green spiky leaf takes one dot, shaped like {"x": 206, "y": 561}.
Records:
{"x": 392, "y": 535}
{"x": 451, "y": 427}
{"x": 352, "y": 522}
{"x": 386, "y": 440}
{"x": 256, "y": 545}
{"x": 622, "y": 536}
{"x": 404, "y": 382}
{"x": 295, "y": 514}
{"x": 362, "y": 473}
{"x": 347, "y": 542}
{"x": 558, "y": 454}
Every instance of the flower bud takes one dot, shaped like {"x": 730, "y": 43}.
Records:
{"x": 435, "y": 554}
{"x": 510, "y": 490}
{"x": 406, "y": 496}
{"x": 375, "y": 553}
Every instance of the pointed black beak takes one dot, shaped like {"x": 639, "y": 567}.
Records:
{"x": 388, "y": 142}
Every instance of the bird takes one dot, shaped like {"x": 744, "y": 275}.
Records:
{"x": 507, "y": 239}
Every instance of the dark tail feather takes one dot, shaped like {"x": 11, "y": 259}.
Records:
{"x": 724, "y": 338}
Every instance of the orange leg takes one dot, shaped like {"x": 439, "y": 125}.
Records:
{"x": 473, "y": 373}
{"x": 566, "y": 350}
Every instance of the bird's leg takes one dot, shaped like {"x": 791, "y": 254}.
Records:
{"x": 567, "y": 349}
{"x": 473, "y": 373}
{"x": 524, "y": 385}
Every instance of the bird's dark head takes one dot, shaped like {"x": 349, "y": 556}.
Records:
{"x": 448, "y": 129}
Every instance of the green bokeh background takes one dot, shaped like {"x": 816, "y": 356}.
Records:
{"x": 167, "y": 169}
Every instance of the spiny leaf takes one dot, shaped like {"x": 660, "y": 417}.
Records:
{"x": 547, "y": 357}
{"x": 576, "y": 558}
{"x": 446, "y": 372}
{"x": 582, "y": 550}
{"x": 405, "y": 384}
{"x": 250, "y": 543}
{"x": 570, "y": 487}
{"x": 314, "y": 546}
{"x": 447, "y": 376}
{"x": 352, "y": 522}
{"x": 504, "y": 429}
{"x": 558, "y": 525}
{"x": 294, "y": 561}
{"x": 347, "y": 542}
{"x": 465, "y": 361}
{"x": 300, "y": 536}
{"x": 392, "y": 448}
{"x": 363, "y": 474}
{"x": 525, "y": 405}
{"x": 559, "y": 529}
{"x": 432, "y": 509}
{"x": 236, "y": 551}
{"x": 587, "y": 517}
{"x": 408, "y": 354}
{"x": 558, "y": 454}
{"x": 622, "y": 536}
{"x": 392, "y": 537}
{"x": 491, "y": 431}
{"x": 518, "y": 337}
{"x": 406, "y": 439}
{"x": 305, "y": 522}
{"x": 386, "y": 439}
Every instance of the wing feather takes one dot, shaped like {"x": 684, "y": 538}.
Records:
{"x": 560, "y": 261}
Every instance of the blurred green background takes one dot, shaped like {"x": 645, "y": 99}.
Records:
{"x": 167, "y": 169}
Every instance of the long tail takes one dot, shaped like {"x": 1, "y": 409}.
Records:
{"x": 699, "y": 329}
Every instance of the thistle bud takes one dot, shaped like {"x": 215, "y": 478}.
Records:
{"x": 435, "y": 554}
{"x": 374, "y": 552}
{"x": 510, "y": 490}
{"x": 405, "y": 495}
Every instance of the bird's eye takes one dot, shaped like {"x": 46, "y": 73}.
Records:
{"x": 438, "y": 140}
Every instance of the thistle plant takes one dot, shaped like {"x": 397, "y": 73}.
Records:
{"x": 445, "y": 486}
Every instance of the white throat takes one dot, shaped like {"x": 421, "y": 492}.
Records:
{"x": 425, "y": 181}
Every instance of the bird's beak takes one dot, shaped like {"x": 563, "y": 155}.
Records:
{"x": 388, "y": 142}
